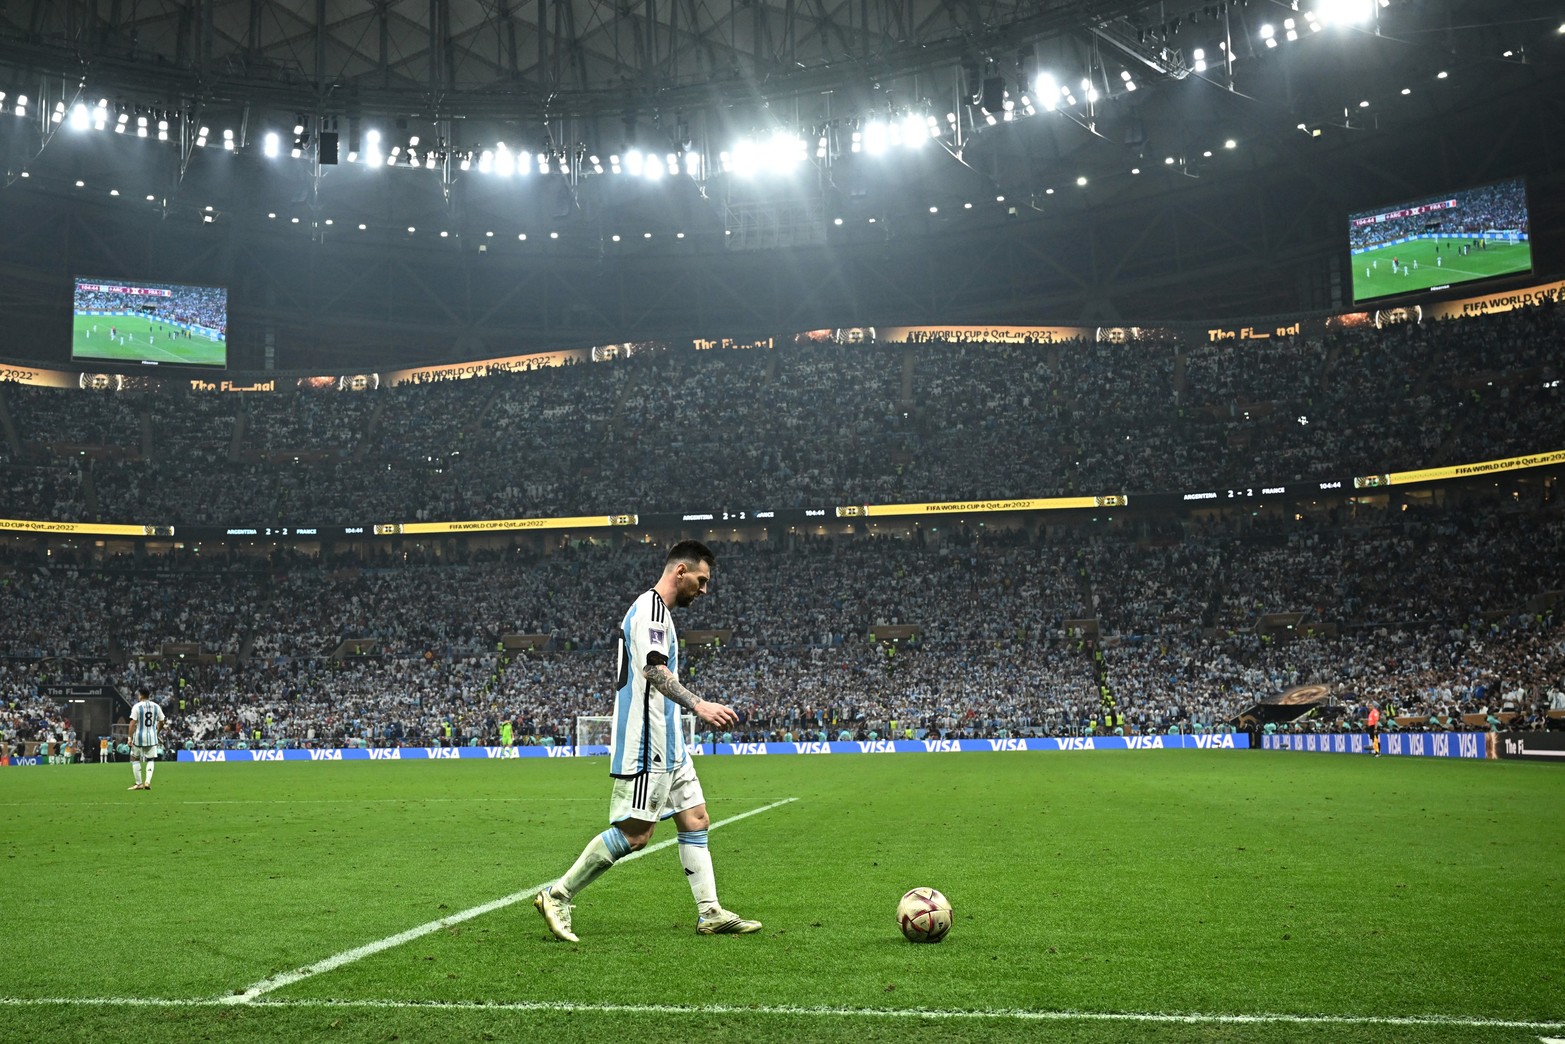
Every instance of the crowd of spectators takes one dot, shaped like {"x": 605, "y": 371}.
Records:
{"x": 1441, "y": 612}
{"x": 203, "y": 306}
{"x": 1498, "y": 207}
{"x": 804, "y": 426}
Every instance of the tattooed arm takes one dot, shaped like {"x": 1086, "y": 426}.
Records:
{"x": 663, "y": 680}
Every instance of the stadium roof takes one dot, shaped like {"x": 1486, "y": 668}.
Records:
{"x": 1190, "y": 159}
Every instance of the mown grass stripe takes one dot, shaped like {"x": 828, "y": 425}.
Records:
{"x": 1019, "y": 1015}
{"x": 337, "y": 960}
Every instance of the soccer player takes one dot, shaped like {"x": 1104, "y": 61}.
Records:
{"x": 145, "y": 717}
{"x": 654, "y": 778}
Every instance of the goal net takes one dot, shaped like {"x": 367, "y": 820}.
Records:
{"x": 593, "y": 732}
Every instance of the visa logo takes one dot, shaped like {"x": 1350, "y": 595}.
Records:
{"x": 876, "y": 747}
{"x": 266, "y": 755}
{"x": 385, "y": 754}
{"x": 501, "y": 752}
{"x": 441, "y": 752}
{"x": 325, "y": 755}
{"x": 812, "y": 748}
{"x": 1144, "y": 742}
{"x": 1210, "y": 742}
{"x": 209, "y": 755}
{"x": 749, "y": 748}
{"x": 1077, "y": 743}
{"x": 1007, "y": 744}
{"x": 942, "y": 746}
{"x": 559, "y": 752}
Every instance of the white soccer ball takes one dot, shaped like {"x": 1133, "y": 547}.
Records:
{"x": 924, "y": 915}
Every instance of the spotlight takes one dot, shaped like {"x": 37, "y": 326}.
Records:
{"x": 298, "y": 125}
{"x": 58, "y": 116}
{"x": 80, "y": 120}
{"x": 228, "y": 139}
{"x": 200, "y": 137}
{"x": 270, "y": 144}
{"x": 21, "y": 105}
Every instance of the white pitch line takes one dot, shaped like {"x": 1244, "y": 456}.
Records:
{"x": 1015, "y": 1014}
{"x": 273, "y": 982}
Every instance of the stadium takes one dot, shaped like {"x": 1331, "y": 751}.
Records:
{"x": 1083, "y": 546}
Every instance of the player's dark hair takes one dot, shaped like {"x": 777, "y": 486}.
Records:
{"x": 144, "y": 692}
{"x": 690, "y": 552}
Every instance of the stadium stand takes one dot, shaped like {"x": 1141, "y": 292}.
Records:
{"x": 1445, "y": 609}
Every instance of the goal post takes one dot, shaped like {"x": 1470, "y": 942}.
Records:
{"x": 594, "y": 731}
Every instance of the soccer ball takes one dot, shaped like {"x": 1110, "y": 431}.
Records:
{"x": 924, "y": 915}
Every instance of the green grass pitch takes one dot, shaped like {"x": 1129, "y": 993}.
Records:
{"x": 144, "y": 339}
{"x": 1268, "y": 896}
{"x": 1373, "y": 278}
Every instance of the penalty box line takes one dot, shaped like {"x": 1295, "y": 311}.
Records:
{"x": 1011, "y": 1014}
{"x": 275, "y": 982}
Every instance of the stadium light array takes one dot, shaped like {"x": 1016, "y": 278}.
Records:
{"x": 1344, "y": 12}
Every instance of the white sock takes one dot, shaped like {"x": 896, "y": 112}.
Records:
{"x": 696, "y": 858}
{"x": 150, "y": 766}
{"x": 600, "y": 854}
{"x": 135, "y": 766}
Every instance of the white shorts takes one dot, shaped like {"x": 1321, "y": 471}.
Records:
{"x": 144, "y": 753}
{"x": 654, "y": 796}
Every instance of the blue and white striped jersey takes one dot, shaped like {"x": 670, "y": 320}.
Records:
{"x": 646, "y": 731}
{"x": 145, "y": 717}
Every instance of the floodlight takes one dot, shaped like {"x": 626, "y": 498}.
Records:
{"x": 269, "y": 144}
{"x": 875, "y": 137}
{"x": 80, "y": 119}
{"x": 1344, "y": 12}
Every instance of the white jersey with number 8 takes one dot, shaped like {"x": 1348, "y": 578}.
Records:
{"x": 145, "y": 717}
